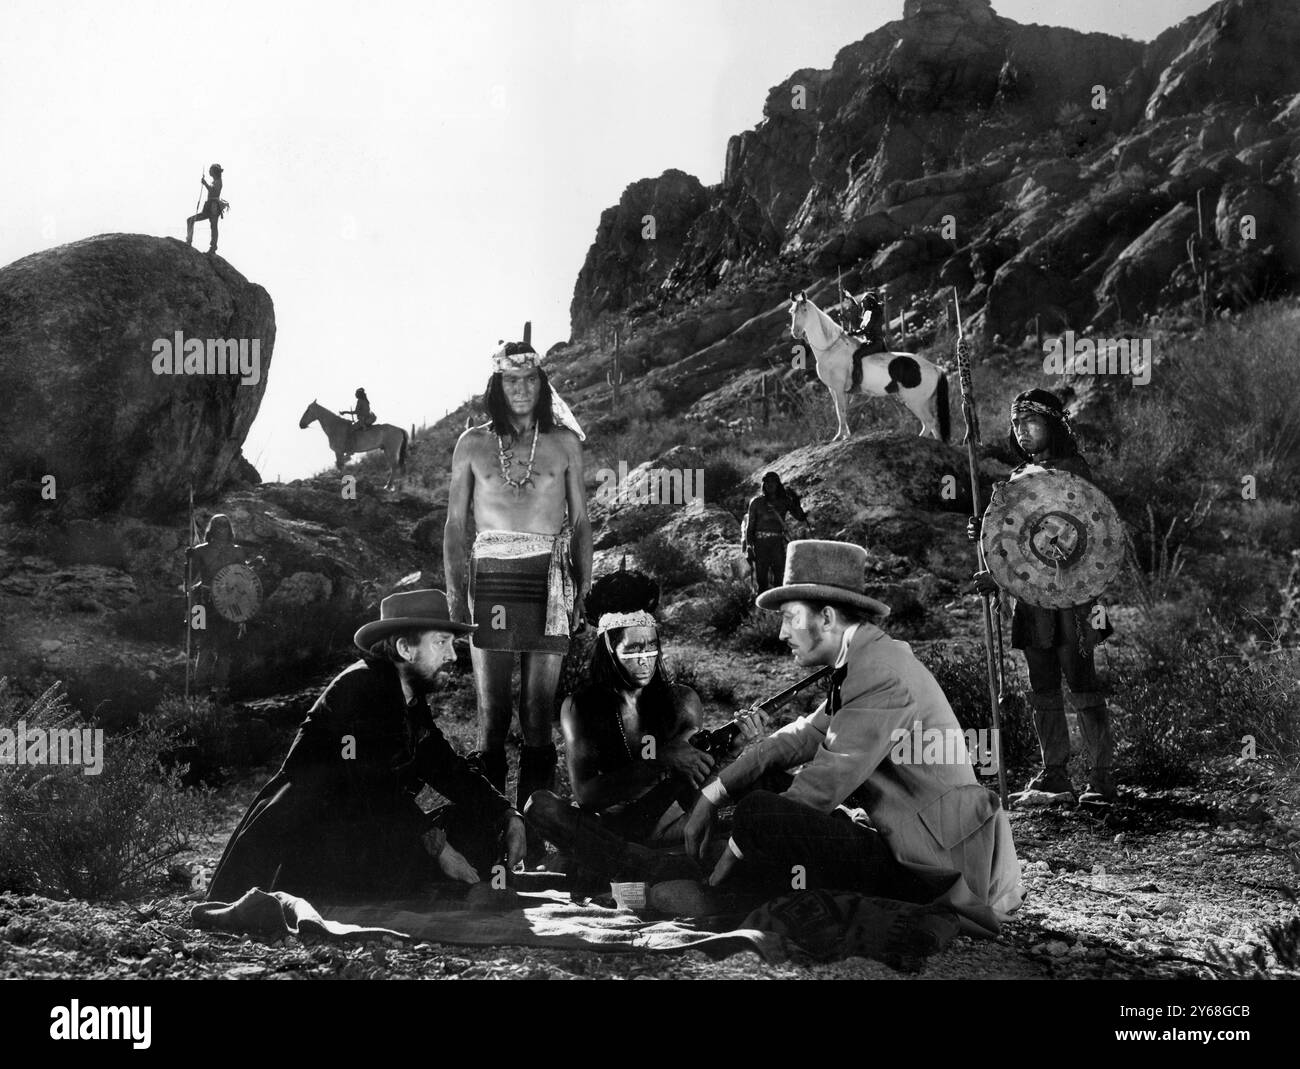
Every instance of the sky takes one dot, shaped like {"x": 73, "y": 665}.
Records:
{"x": 411, "y": 180}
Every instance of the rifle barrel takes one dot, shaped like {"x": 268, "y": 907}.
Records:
{"x": 779, "y": 699}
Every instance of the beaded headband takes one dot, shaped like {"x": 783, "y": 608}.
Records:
{"x": 1021, "y": 407}
{"x": 513, "y": 356}
{"x": 612, "y": 620}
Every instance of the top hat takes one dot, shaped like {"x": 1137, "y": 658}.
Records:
{"x": 817, "y": 570}
{"x": 413, "y": 610}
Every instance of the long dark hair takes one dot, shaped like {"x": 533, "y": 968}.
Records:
{"x": 606, "y": 679}
{"x": 1060, "y": 441}
{"x": 498, "y": 408}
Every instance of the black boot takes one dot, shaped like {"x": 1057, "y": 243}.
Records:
{"x": 536, "y": 773}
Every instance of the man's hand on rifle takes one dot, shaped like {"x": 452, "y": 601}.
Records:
{"x": 683, "y": 759}
{"x": 973, "y": 529}
{"x": 754, "y": 724}
{"x": 985, "y": 583}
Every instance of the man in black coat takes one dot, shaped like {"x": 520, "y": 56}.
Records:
{"x": 341, "y": 814}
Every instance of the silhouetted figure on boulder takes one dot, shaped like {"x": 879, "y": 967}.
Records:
{"x": 213, "y": 208}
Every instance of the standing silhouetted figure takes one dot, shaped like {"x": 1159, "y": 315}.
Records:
{"x": 213, "y": 208}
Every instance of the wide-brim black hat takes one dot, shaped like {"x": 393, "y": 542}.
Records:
{"x": 411, "y": 610}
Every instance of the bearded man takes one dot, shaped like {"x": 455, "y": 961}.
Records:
{"x": 341, "y": 815}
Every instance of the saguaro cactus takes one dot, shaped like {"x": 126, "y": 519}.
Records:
{"x": 615, "y": 375}
{"x": 1198, "y": 257}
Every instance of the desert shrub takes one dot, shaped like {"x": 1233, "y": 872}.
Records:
{"x": 64, "y": 833}
{"x": 760, "y": 632}
{"x": 668, "y": 562}
{"x": 725, "y": 477}
{"x": 711, "y": 687}
{"x": 1182, "y": 700}
{"x": 1236, "y": 386}
{"x": 1270, "y": 524}
{"x": 730, "y": 604}
{"x": 964, "y": 680}
{"x": 209, "y": 740}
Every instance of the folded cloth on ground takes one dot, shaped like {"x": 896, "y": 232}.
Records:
{"x": 278, "y": 913}
{"x": 549, "y": 920}
{"x": 824, "y": 925}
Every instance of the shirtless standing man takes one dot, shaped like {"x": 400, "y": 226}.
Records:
{"x": 212, "y": 210}
{"x": 525, "y": 577}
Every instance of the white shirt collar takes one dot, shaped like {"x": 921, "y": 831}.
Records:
{"x": 849, "y": 632}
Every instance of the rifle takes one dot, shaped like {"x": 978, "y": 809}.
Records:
{"x": 717, "y": 743}
{"x": 972, "y": 452}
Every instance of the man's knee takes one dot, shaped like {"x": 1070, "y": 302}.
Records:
{"x": 544, "y": 808}
{"x": 756, "y": 810}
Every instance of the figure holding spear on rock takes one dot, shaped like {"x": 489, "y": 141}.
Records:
{"x": 213, "y": 209}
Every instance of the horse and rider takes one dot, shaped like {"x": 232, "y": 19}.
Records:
{"x": 859, "y": 364}
{"x": 360, "y": 435}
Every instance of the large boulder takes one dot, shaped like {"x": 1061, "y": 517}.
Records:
{"x": 81, "y": 331}
{"x": 1133, "y": 282}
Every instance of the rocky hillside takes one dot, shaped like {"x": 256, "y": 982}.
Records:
{"x": 1053, "y": 177}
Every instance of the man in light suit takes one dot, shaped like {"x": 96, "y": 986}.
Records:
{"x": 929, "y": 832}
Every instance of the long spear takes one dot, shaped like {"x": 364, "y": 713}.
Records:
{"x": 972, "y": 440}
{"x": 189, "y": 608}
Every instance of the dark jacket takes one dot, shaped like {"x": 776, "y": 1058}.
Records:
{"x": 341, "y": 812}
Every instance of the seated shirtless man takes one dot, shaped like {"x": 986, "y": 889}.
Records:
{"x": 634, "y": 773}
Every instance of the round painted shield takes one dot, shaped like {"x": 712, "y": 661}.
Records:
{"x": 236, "y": 593}
{"x": 1052, "y": 538}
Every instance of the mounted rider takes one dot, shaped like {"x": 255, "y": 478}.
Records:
{"x": 361, "y": 415}
{"x": 862, "y": 322}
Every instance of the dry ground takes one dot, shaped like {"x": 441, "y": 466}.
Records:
{"x": 1157, "y": 887}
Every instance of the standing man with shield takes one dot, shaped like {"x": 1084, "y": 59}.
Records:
{"x": 1053, "y": 541}
{"x": 229, "y": 596}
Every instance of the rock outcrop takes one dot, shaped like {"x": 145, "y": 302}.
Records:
{"x": 83, "y": 330}
{"x": 1020, "y": 163}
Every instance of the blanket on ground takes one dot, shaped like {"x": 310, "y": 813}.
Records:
{"x": 821, "y": 925}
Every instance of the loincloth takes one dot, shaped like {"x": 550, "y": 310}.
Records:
{"x": 521, "y": 591}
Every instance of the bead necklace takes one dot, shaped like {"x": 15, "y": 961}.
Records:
{"x": 618, "y": 714}
{"x": 506, "y": 456}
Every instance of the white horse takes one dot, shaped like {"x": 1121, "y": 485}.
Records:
{"x": 392, "y": 440}
{"x": 919, "y": 384}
